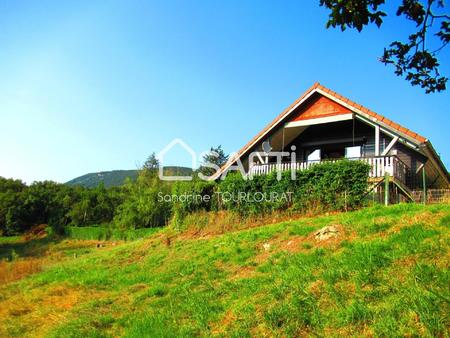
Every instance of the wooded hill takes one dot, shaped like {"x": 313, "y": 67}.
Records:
{"x": 115, "y": 178}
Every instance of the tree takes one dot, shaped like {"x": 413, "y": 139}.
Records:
{"x": 142, "y": 207}
{"x": 151, "y": 163}
{"x": 414, "y": 59}
{"x": 94, "y": 205}
{"x": 58, "y": 205}
{"x": 213, "y": 160}
{"x": 11, "y": 195}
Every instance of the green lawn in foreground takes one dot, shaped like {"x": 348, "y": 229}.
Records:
{"x": 387, "y": 275}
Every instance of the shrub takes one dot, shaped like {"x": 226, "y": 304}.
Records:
{"x": 192, "y": 196}
{"x": 142, "y": 207}
{"x": 326, "y": 186}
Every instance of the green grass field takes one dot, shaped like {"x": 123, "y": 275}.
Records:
{"x": 386, "y": 274}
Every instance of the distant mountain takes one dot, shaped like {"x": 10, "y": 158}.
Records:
{"x": 116, "y": 178}
{"x": 109, "y": 178}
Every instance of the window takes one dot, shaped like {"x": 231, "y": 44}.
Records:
{"x": 353, "y": 152}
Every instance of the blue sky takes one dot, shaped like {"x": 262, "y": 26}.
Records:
{"x": 98, "y": 85}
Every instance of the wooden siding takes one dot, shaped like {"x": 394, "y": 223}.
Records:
{"x": 319, "y": 106}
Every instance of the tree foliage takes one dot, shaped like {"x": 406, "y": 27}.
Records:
{"x": 151, "y": 163}
{"x": 141, "y": 207}
{"x": 213, "y": 160}
{"x": 142, "y": 203}
{"x": 417, "y": 58}
{"x": 58, "y": 205}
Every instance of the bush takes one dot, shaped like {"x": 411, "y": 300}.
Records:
{"x": 326, "y": 186}
{"x": 142, "y": 207}
{"x": 191, "y": 196}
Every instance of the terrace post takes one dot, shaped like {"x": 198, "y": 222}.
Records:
{"x": 386, "y": 188}
{"x": 424, "y": 185}
{"x": 377, "y": 140}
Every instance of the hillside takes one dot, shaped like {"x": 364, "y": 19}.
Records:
{"x": 109, "y": 178}
{"x": 385, "y": 273}
{"x": 116, "y": 178}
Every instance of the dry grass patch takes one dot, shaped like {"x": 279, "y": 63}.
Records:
{"x": 40, "y": 310}
{"x": 34, "y": 259}
{"x": 18, "y": 269}
{"x": 223, "y": 325}
{"x": 236, "y": 271}
{"x": 425, "y": 217}
{"x": 204, "y": 225}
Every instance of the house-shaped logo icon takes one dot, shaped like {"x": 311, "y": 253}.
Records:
{"x": 165, "y": 150}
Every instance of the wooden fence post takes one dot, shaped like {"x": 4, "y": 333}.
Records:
{"x": 386, "y": 188}
{"x": 424, "y": 184}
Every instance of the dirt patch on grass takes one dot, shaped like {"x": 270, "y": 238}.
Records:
{"x": 317, "y": 288}
{"x": 350, "y": 330}
{"x": 408, "y": 261}
{"x": 294, "y": 244}
{"x": 62, "y": 298}
{"x": 141, "y": 251}
{"x": 224, "y": 324}
{"x": 244, "y": 272}
{"x": 343, "y": 234}
{"x": 36, "y": 232}
{"x": 236, "y": 272}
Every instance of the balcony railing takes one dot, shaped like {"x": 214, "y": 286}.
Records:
{"x": 380, "y": 166}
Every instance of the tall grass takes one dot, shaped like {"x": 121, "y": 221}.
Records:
{"x": 108, "y": 233}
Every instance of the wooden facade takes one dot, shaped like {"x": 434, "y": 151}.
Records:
{"x": 325, "y": 126}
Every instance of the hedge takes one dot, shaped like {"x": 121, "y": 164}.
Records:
{"x": 185, "y": 199}
{"x": 340, "y": 185}
{"x": 327, "y": 186}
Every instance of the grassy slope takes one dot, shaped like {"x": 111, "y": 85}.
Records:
{"x": 388, "y": 274}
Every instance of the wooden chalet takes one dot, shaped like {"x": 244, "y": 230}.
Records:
{"x": 322, "y": 125}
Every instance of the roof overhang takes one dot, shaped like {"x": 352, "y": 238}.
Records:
{"x": 384, "y": 127}
{"x": 319, "y": 120}
{"x": 429, "y": 151}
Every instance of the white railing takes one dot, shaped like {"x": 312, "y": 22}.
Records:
{"x": 380, "y": 166}
{"x": 391, "y": 165}
{"x": 264, "y": 169}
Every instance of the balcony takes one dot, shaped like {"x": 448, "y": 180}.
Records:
{"x": 380, "y": 166}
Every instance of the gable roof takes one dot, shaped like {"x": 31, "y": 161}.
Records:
{"x": 318, "y": 107}
{"x": 420, "y": 139}
{"x": 414, "y": 138}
